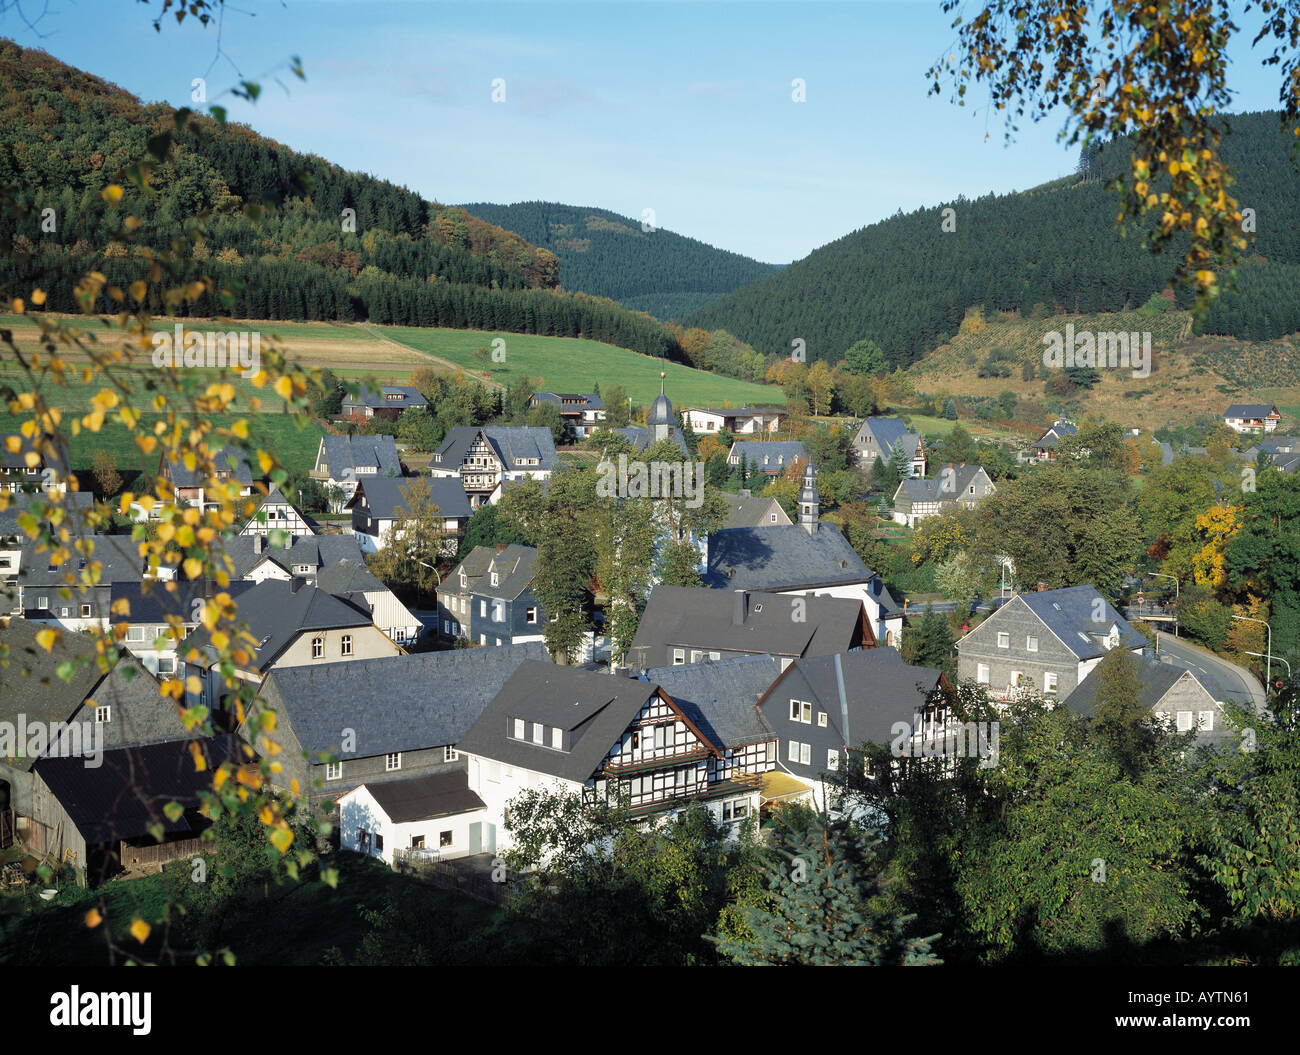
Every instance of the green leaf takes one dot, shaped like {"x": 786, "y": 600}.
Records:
{"x": 159, "y": 145}
{"x": 219, "y": 113}
{"x": 173, "y": 811}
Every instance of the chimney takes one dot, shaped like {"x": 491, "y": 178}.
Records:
{"x": 501, "y": 548}
{"x": 259, "y": 543}
{"x": 739, "y": 609}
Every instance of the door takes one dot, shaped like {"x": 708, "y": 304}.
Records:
{"x": 489, "y": 837}
{"x": 476, "y": 837}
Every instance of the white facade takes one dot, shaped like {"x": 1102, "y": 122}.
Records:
{"x": 365, "y": 828}
{"x": 888, "y": 627}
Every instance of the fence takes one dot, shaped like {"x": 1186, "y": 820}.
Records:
{"x": 146, "y": 856}
{"x": 458, "y": 875}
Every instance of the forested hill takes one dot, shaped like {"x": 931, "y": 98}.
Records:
{"x": 274, "y": 219}
{"x": 609, "y": 255}
{"x": 906, "y": 283}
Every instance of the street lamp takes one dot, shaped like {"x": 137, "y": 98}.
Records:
{"x": 1279, "y": 659}
{"x": 1268, "y": 659}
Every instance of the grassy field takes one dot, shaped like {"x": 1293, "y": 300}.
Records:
{"x": 569, "y": 364}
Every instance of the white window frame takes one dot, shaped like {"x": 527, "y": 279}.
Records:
{"x": 450, "y": 754}
{"x": 557, "y": 738}
{"x": 805, "y": 754}
{"x": 317, "y": 648}
{"x": 792, "y": 754}
{"x": 1205, "y": 721}
{"x": 520, "y": 729}
{"x": 347, "y": 645}
{"x": 832, "y": 759}
{"x": 392, "y": 761}
{"x": 1004, "y": 639}
{"x": 333, "y": 770}
{"x": 1031, "y": 643}
{"x": 103, "y": 714}
{"x": 821, "y": 719}
{"x": 539, "y": 733}
{"x": 982, "y": 673}
{"x": 679, "y": 657}
{"x": 1051, "y": 683}
{"x": 1183, "y": 720}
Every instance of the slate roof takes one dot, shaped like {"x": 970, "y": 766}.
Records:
{"x": 425, "y": 797}
{"x": 721, "y": 698}
{"x": 155, "y": 604}
{"x": 118, "y": 556}
{"x": 640, "y": 438}
{"x": 594, "y": 708}
{"x": 889, "y": 431}
{"x": 692, "y": 617}
{"x": 276, "y": 613}
{"x": 1275, "y": 444}
{"x": 515, "y": 567}
{"x": 1157, "y": 679}
{"x": 879, "y": 688}
{"x": 384, "y": 495}
{"x": 348, "y": 577}
{"x": 29, "y": 682}
{"x": 18, "y": 459}
{"x": 931, "y": 490}
{"x": 229, "y": 458}
{"x": 510, "y": 443}
{"x": 591, "y": 401}
{"x": 1250, "y": 410}
{"x": 319, "y": 551}
{"x": 746, "y": 511}
{"x": 345, "y": 454}
{"x": 397, "y": 703}
{"x": 781, "y": 556}
{"x": 369, "y": 397}
{"x": 1068, "y": 614}
{"x": 1053, "y": 435}
{"x": 74, "y": 503}
{"x": 768, "y": 456}
{"x": 126, "y": 794}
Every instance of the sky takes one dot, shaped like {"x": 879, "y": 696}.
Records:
{"x": 684, "y": 108}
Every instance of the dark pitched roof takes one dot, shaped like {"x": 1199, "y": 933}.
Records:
{"x": 1157, "y": 679}
{"x": 515, "y": 567}
{"x": 383, "y": 495}
{"x": 1054, "y": 433}
{"x": 29, "y": 682}
{"x": 318, "y": 551}
{"x": 409, "y": 397}
{"x": 348, "y": 577}
{"x": 229, "y": 458}
{"x": 691, "y": 617}
{"x": 345, "y": 454}
{"x": 593, "y": 708}
{"x": 721, "y": 698}
{"x": 397, "y": 703}
{"x": 640, "y": 437}
{"x": 152, "y": 602}
{"x": 889, "y": 431}
{"x": 127, "y": 793}
{"x": 423, "y": 798}
{"x": 746, "y": 511}
{"x": 1250, "y": 410}
{"x": 781, "y": 556}
{"x": 770, "y": 456}
{"x": 932, "y": 489}
{"x": 74, "y": 503}
{"x": 511, "y": 443}
{"x": 118, "y": 556}
{"x": 1068, "y": 614}
{"x": 590, "y": 401}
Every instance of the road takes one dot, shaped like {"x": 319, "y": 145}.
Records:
{"x": 1237, "y": 683}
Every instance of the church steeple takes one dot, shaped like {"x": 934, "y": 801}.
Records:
{"x": 661, "y": 420}
{"x": 809, "y": 501}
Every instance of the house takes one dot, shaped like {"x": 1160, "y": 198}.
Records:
{"x": 294, "y": 625}
{"x": 956, "y": 486}
{"x": 274, "y": 512}
{"x": 360, "y": 587}
{"x": 388, "y": 402}
{"x": 877, "y": 437}
{"x": 805, "y": 558}
{"x": 1049, "y": 641}
{"x": 1180, "y": 698}
{"x": 46, "y": 595}
{"x": 406, "y": 713}
{"x": 769, "y": 457}
{"x": 586, "y": 733}
{"x": 686, "y": 625}
{"x": 1252, "y": 417}
{"x": 1043, "y": 449}
{"x": 257, "y": 557}
{"x": 342, "y": 461}
{"x": 582, "y": 412}
{"x": 15, "y": 543}
{"x": 429, "y": 815}
{"x": 103, "y": 819}
{"x": 744, "y": 510}
{"x": 146, "y": 608}
{"x": 823, "y": 707}
{"x": 485, "y": 458}
{"x": 661, "y": 424}
{"x": 23, "y": 468}
{"x": 87, "y": 713}
{"x": 380, "y": 503}
{"x": 192, "y": 486}
{"x": 488, "y": 597}
{"x": 739, "y": 421}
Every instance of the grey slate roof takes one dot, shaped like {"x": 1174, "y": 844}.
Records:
{"x": 510, "y": 443}
{"x": 18, "y": 459}
{"x": 515, "y": 567}
{"x": 1157, "y": 679}
{"x": 319, "y": 551}
{"x": 75, "y": 503}
{"x": 118, "y": 556}
{"x": 425, "y": 797}
{"x": 889, "y": 431}
{"x": 931, "y": 489}
{"x": 229, "y": 458}
{"x": 1068, "y": 614}
{"x": 779, "y": 557}
{"x": 640, "y": 438}
{"x": 768, "y": 456}
{"x": 1250, "y": 410}
{"x": 594, "y": 708}
{"x": 591, "y": 401}
{"x": 156, "y": 603}
{"x": 384, "y": 495}
{"x": 348, "y": 577}
{"x": 694, "y": 617}
{"x": 397, "y": 703}
{"x": 721, "y": 698}
{"x": 368, "y": 397}
{"x": 1053, "y": 435}
{"x": 748, "y": 511}
{"x": 345, "y": 454}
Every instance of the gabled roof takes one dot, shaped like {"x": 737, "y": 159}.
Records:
{"x": 568, "y": 401}
{"x": 29, "y": 682}
{"x": 73, "y": 503}
{"x": 721, "y": 698}
{"x": 345, "y": 454}
{"x": 348, "y": 577}
{"x": 781, "y": 557}
{"x": 1067, "y": 613}
{"x": 509, "y": 443}
{"x": 1157, "y": 679}
{"x": 409, "y": 397}
{"x": 694, "y": 617}
{"x": 127, "y": 794}
{"x": 932, "y": 489}
{"x": 1250, "y": 410}
{"x": 1054, "y": 433}
{"x": 640, "y": 438}
{"x": 396, "y": 703}
{"x": 747, "y": 511}
{"x": 595, "y": 709}
{"x": 152, "y": 602}
{"x": 228, "y": 459}
{"x": 515, "y": 567}
{"x": 735, "y": 412}
{"x": 118, "y": 556}
{"x": 425, "y": 797}
{"x": 57, "y": 460}
{"x": 769, "y": 455}
{"x": 887, "y": 432}
{"x": 318, "y": 551}
{"x": 383, "y": 495}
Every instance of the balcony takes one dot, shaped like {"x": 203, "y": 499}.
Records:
{"x": 657, "y": 761}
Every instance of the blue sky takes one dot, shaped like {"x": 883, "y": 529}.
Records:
{"x": 684, "y": 108}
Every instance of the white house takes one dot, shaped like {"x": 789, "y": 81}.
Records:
{"x": 1251, "y": 417}
{"x": 741, "y": 420}
{"x": 431, "y": 814}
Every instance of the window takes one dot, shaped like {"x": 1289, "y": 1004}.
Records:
{"x": 1184, "y": 721}
{"x": 1017, "y": 677}
{"x": 498, "y": 611}
{"x": 679, "y": 657}
{"x": 482, "y": 610}
{"x": 495, "y": 579}
{"x": 393, "y": 760}
{"x": 832, "y": 759}
{"x": 805, "y": 754}
{"x": 530, "y": 615}
{"x": 1206, "y": 721}
{"x": 1004, "y": 640}
{"x": 43, "y": 603}
{"x": 347, "y": 644}
{"x": 539, "y": 733}
{"x": 333, "y": 770}
{"x": 450, "y": 754}
{"x": 133, "y": 633}
{"x": 85, "y": 611}
{"x": 166, "y": 664}
{"x": 417, "y": 842}
{"x": 1049, "y": 682}
{"x": 363, "y": 840}
{"x": 379, "y": 843}
{"x": 444, "y": 839}
{"x": 735, "y": 811}
{"x": 557, "y": 738}
{"x": 793, "y": 754}
{"x": 982, "y": 673}
{"x": 773, "y": 518}
{"x": 1031, "y": 644}
{"x": 821, "y": 719}
{"x": 103, "y": 714}
{"x": 801, "y": 711}
{"x": 317, "y": 648}
{"x": 519, "y": 729}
